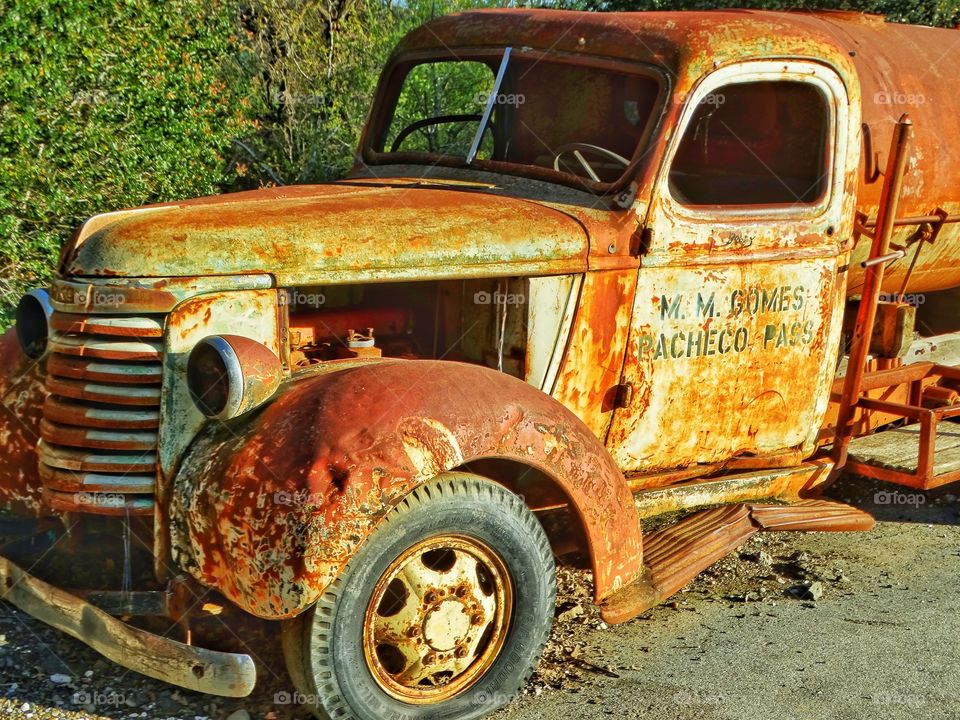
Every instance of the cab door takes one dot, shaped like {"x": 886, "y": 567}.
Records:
{"x": 736, "y": 323}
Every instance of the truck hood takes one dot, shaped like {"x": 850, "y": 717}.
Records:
{"x": 340, "y": 232}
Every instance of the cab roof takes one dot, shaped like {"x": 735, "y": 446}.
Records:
{"x": 675, "y": 39}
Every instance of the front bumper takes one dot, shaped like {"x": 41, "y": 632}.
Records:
{"x": 193, "y": 668}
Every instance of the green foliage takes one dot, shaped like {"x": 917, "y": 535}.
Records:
{"x": 320, "y": 62}
{"x": 437, "y": 90}
{"x": 110, "y": 104}
{"x": 118, "y": 103}
{"x": 939, "y": 12}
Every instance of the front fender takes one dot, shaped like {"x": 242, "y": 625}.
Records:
{"x": 269, "y": 508}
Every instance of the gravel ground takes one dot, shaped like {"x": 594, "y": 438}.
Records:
{"x": 792, "y": 626}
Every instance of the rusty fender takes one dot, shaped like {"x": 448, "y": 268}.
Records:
{"x": 269, "y": 508}
{"x": 22, "y": 395}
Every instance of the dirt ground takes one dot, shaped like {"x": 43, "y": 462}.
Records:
{"x": 792, "y": 626}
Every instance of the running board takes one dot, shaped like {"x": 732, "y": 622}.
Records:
{"x": 676, "y": 555}
{"x": 679, "y": 553}
{"x": 812, "y": 516}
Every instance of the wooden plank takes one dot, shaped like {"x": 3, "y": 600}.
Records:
{"x": 899, "y": 448}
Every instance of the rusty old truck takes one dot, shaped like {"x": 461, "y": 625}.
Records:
{"x": 588, "y": 270}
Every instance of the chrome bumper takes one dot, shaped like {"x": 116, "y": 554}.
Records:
{"x": 193, "y": 668}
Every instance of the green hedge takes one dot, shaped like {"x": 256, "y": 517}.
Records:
{"x": 108, "y": 104}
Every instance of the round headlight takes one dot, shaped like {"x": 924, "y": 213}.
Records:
{"x": 33, "y": 323}
{"x": 228, "y": 375}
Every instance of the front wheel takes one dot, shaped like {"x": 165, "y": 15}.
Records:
{"x": 441, "y": 614}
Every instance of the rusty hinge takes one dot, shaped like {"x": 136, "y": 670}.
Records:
{"x": 640, "y": 241}
{"x": 622, "y": 395}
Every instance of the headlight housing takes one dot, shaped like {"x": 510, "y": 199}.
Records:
{"x": 33, "y": 323}
{"x": 229, "y": 375}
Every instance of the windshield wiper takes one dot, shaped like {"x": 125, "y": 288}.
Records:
{"x": 488, "y": 110}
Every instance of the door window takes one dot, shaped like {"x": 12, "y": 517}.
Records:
{"x": 755, "y": 143}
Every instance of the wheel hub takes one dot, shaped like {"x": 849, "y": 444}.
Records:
{"x": 446, "y": 625}
{"x": 437, "y": 619}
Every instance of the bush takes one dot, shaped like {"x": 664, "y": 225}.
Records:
{"x": 111, "y": 104}
{"x": 119, "y": 103}
{"x": 320, "y": 62}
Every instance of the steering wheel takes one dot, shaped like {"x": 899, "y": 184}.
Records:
{"x": 579, "y": 148}
{"x": 438, "y": 120}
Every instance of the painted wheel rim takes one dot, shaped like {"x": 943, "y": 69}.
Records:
{"x": 437, "y": 619}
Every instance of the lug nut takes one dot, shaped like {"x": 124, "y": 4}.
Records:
{"x": 412, "y": 632}
{"x": 430, "y": 598}
{"x": 429, "y": 659}
{"x": 478, "y": 619}
{"x": 460, "y": 652}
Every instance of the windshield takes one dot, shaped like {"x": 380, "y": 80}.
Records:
{"x": 546, "y": 116}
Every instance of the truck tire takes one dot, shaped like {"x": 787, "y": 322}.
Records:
{"x": 442, "y": 613}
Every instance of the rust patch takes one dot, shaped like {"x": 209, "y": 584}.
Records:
{"x": 21, "y": 402}
{"x": 268, "y": 511}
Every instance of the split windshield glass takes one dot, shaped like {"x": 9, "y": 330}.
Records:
{"x": 514, "y": 112}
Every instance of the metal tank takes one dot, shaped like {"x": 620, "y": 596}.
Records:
{"x": 909, "y": 69}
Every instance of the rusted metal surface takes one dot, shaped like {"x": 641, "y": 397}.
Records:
{"x": 98, "y": 452}
{"x": 268, "y": 512}
{"x": 697, "y": 344}
{"x": 21, "y": 399}
{"x": 785, "y": 484}
{"x": 680, "y": 341}
{"x": 734, "y": 303}
{"x": 677, "y": 554}
{"x": 254, "y": 314}
{"x": 194, "y": 668}
{"x": 894, "y": 384}
{"x": 136, "y": 295}
{"x": 876, "y": 60}
{"x": 867, "y": 309}
{"x": 593, "y": 359}
{"x": 812, "y": 516}
{"x": 916, "y": 456}
{"x": 916, "y": 380}
{"x": 335, "y": 233}
{"x": 437, "y": 619}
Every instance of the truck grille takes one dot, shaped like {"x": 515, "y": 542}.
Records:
{"x": 98, "y": 447}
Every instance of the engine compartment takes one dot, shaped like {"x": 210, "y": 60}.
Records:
{"x": 482, "y": 321}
